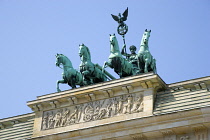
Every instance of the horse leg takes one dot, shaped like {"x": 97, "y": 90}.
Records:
{"x": 120, "y": 68}
{"x": 148, "y": 61}
{"x": 86, "y": 79}
{"x": 153, "y": 65}
{"x": 73, "y": 82}
{"x": 58, "y": 82}
{"x": 103, "y": 67}
{"x": 146, "y": 65}
{"x": 141, "y": 63}
{"x": 106, "y": 64}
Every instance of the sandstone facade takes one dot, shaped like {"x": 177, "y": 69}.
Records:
{"x": 141, "y": 107}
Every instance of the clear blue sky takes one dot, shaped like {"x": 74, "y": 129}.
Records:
{"x": 32, "y": 32}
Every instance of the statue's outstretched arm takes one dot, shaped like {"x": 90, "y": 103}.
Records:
{"x": 123, "y": 51}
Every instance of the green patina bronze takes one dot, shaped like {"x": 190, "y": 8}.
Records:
{"x": 134, "y": 64}
{"x": 116, "y": 61}
{"x": 122, "y": 28}
{"x": 146, "y": 61}
{"x": 91, "y": 73}
{"x": 70, "y": 76}
{"x": 132, "y": 58}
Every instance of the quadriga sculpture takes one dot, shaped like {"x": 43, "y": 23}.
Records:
{"x": 116, "y": 61}
{"x": 146, "y": 61}
{"x": 70, "y": 76}
{"x": 91, "y": 73}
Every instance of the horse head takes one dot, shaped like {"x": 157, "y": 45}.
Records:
{"x": 84, "y": 52}
{"x": 145, "y": 37}
{"x": 59, "y": 59}
{"x": 62, "y": 59}
{"x": 114, "y": 43}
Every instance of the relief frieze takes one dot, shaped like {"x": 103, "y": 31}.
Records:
{"x": 96, "y": 110}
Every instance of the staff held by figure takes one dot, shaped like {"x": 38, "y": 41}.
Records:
{"x": 122, "y": 28}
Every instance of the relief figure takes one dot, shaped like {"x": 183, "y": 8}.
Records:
{"x": 75, "y": 116}
{"x": 128, "y": 105}
{"x": 99, "y": 113}
{"x": 51, "y": 120}
{"x": 115, "y": 103}
{"x": 120, "y": 105}
{"x": 79, "y": 112}
{"x": 138, "y": 105}
{"x": 109, "y": 108}
{"x": 102, "y": 114}
{"x": 45, "y": 122}
{"x": 64, "y": 117}
{"x": 88, "y": 112}
{"x": 57, "y": 119}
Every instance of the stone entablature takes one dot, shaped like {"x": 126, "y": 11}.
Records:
{"x": 185, "y": 95}
{"x": 9, "y": 122}
{"x": 186, "y": 125}
{"x": 194, "y": 84}
{"x": 109, "y": 102}
{"x": 96, "y": 92}
{"x": 17, "y": 127}
{"x": 140, "y": 107}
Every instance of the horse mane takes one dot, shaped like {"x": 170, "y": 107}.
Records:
{"x": 88, "y": 51}
{"x": 63, "y": 55}
{"x": 116, "y": 43}
{"x": 66, "y": 59}
{"x": 116, "y": 40}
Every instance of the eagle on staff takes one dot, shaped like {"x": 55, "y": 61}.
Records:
{"x": 120, "y": 19}
{"x": 122, "y": 28}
